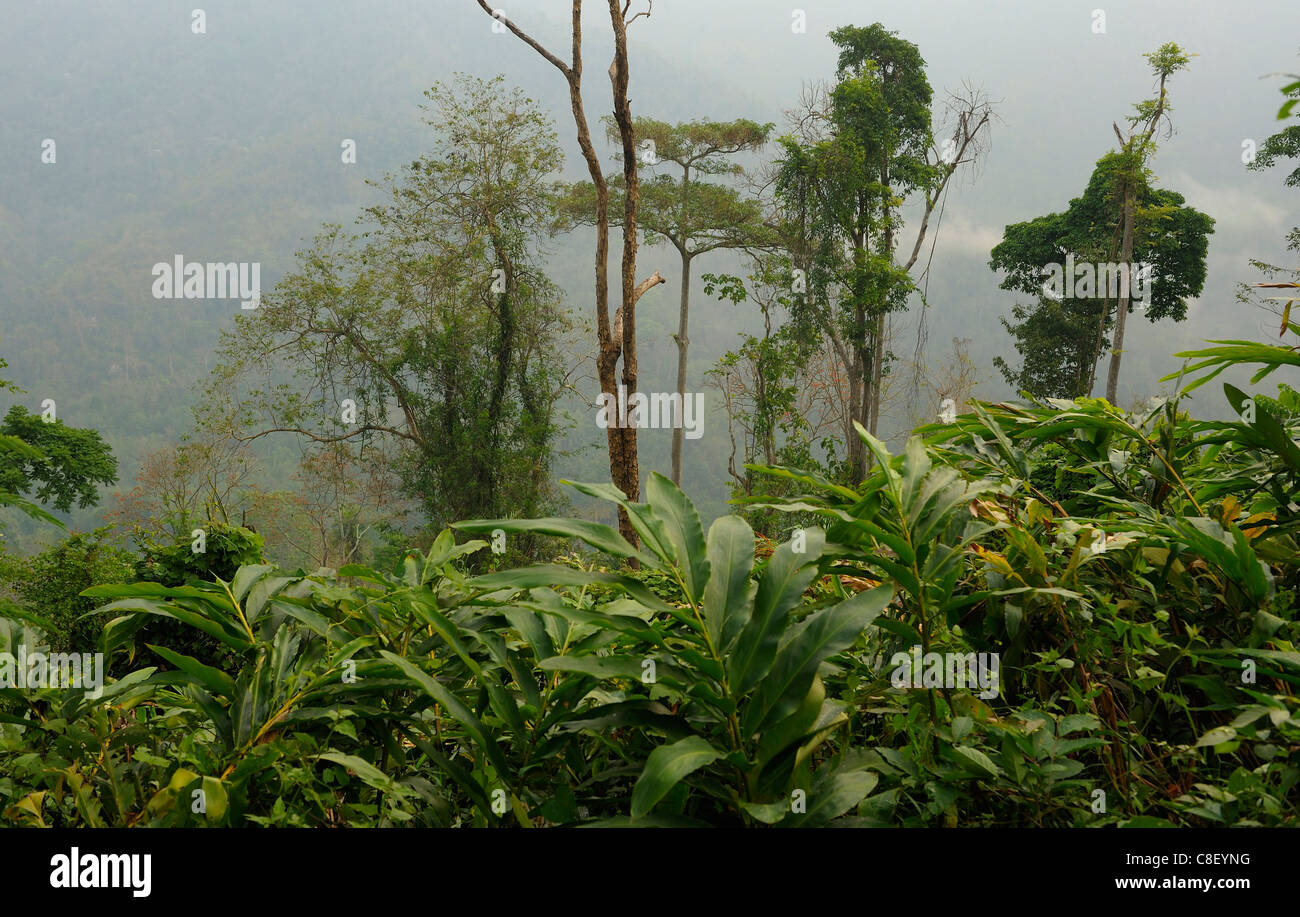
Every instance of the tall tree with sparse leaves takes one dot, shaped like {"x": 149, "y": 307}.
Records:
{"x": 693, "y": 215}
{"x": 1135, "y": 149}
{"x": 859, "y": 154}
{"x": 616, "y": 339}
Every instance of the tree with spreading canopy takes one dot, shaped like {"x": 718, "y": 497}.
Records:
{"x": 693, "y": 215}
{"x": 434, "y": 331}
{"x": 46, "y": 459}
{"x": 859, "y": 153}
{"x": 1151, "y": 235}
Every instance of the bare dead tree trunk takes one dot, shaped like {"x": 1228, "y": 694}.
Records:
{"x": 628, "y": 475}
{"x": 683, "y": 342}
{"x": 623, "y": 468}
{"x": 877, "y": 362}
{"x": 1126, "y": 258}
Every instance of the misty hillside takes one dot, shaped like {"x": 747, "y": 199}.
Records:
{"x": 715, "y": 414}
{"x": 225, "y": 146}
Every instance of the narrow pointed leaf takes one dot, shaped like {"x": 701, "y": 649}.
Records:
{"x": 665, "y": 766}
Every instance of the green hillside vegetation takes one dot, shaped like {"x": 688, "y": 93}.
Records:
{"x": 354, "y": 557}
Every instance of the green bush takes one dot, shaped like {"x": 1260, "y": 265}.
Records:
{"x": 216, "y": 550}
{"x": 47, "y": 587}
{"x": 1145, "y": 628}
{"x": 224, "y": 550}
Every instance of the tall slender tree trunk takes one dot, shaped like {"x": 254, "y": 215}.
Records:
{"x": 860, "y": 373}
{"x": 619, "y": 337}
{"x": 1126, "y": 257}
{"x": 877, "y": 361}
{"x": 859, "y": 393}
{"x": 866, "y": 379}
{"x": 878, "y": 345}
{"x": 628, "y": 475}
{"x": 683, "y": 342}
{"x": 1105, "y": 311}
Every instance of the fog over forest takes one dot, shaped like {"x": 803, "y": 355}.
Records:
{"x": 426, "y": 414}
{"x": 225, "y": 146}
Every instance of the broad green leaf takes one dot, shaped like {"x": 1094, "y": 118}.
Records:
{"x": 1277, "y": 437}
{"x": 1217, "y": 736}
{"x": 267, "y": 591}
{"x": 682, "y": 524}
{"x": 29, "y": 509}
{"x": 832, "y": 794}
{"x": 215, "y": 680}
{"x": 635, "y": 713}
{"x": 975, "y": 761}
{"x": 439, "y": 554}
{"x": 12, "y": 612}
{"x": 214, "y": 620}
{"x": 916, "y": 468}
{"x": 214, "y": 798}
{"x": 371, "y": 775}
{"x": 531, "y": 628}
{"x": 165, "y": 798}
{"x": 644, "y": 519}
{"x": 627, "y": 667}
{"x": 665, "y": 766}
{"x": 444, "y": 628}
{"x": 769, "y": 813}
{"x": 808, "y": 479}
{"x": 795, "y": 727}
{"x": 787, "y": 576}
{"x": 156, "y": 590}
{"x": 246, "y": 578}
{"x": 727, "y": 600}
{"x": 821, "y": 635}
{"x": 458, "y": 711}
{"x": 600, "y": 537}
{"x": 118, "y": 631}
{"x": 544, "y": 575}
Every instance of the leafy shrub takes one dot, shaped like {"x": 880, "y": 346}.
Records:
{"x": 225, "y": 548}
{"x": 1145, "y": 626}
{"x": 47, "y": 586}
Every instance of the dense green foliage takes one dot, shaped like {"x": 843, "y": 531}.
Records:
{"x": 1057, "y": 613}
{"x": 46, "y": 588}
{"x": 1120, "y": 218}
{"x": 1144, "y": 618}
{"x": 858, "y": 155}
{"x": 42, "y": 458}
{"x": 222, "y": 550}
{"x": 427, "y": 341}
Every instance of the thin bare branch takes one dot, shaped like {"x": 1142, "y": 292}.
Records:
{"x": 526, "y": 38}
{"x": 650, "y": 5}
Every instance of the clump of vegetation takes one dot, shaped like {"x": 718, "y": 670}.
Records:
{"x": 1055, "y": 613}
{"x": 1145, "y": 627}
